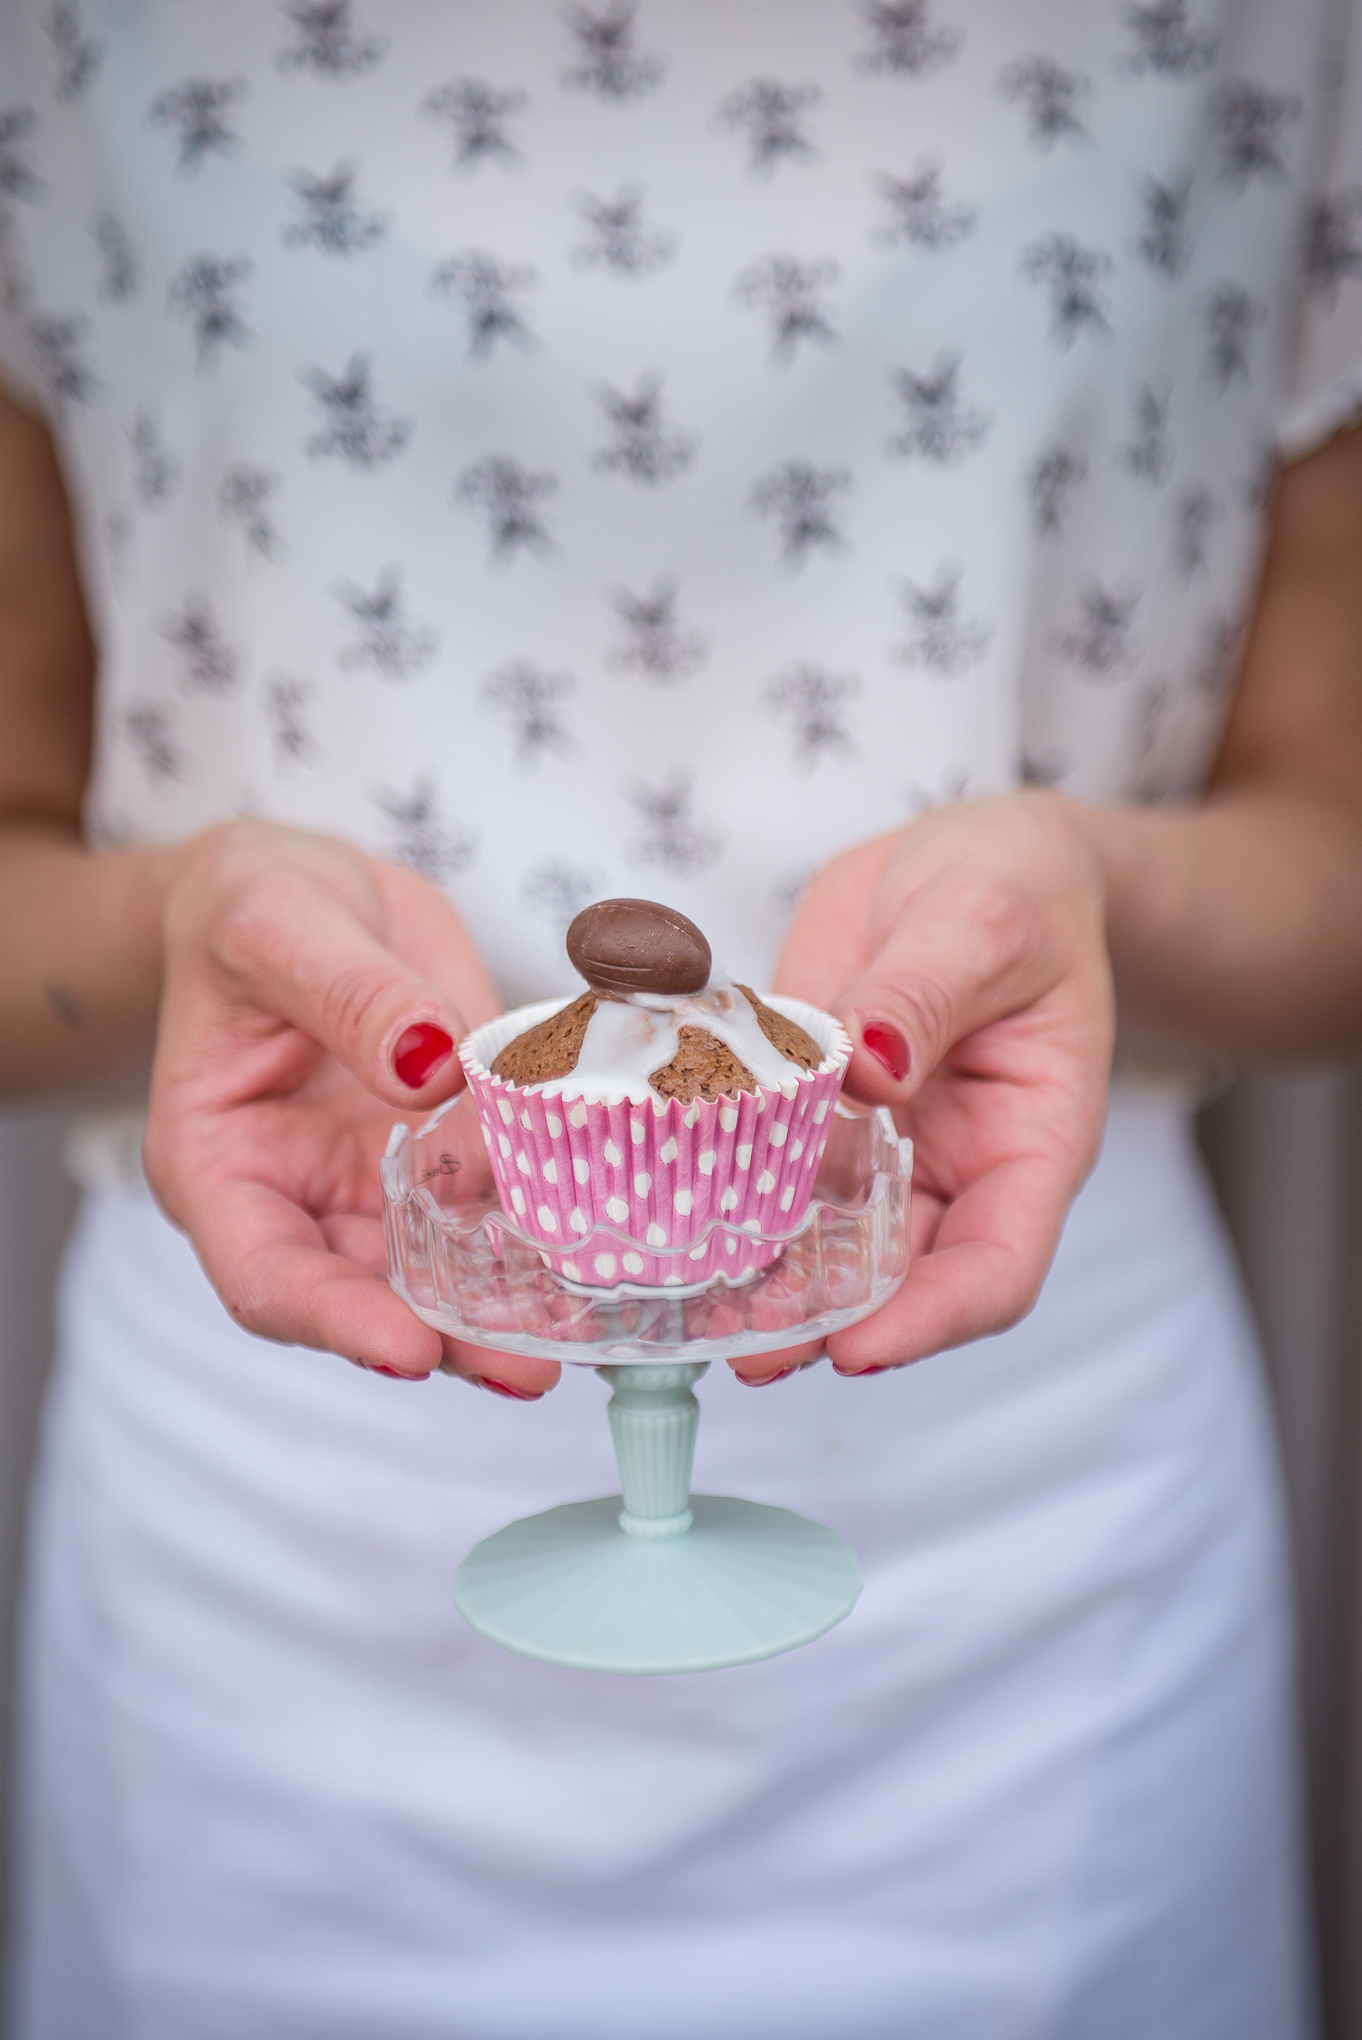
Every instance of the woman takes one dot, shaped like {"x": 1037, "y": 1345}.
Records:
{"x": 517, "y": 456}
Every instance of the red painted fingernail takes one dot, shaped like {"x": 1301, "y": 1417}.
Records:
{"x": 888, "y": 1047}
{"x": 504, "y": 1388}
{"x": 855, "y": 1373}
{"x": 419, "y": 1053}
{"x": 766, "y": 1379}
{"x": 393, "y": 1373}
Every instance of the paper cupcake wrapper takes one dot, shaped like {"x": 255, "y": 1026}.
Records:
{"x": 656, "y": 1194}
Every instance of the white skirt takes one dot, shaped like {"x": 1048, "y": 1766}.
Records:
{"x": 1040, "y": 1786}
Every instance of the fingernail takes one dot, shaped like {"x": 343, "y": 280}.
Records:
{"x": 419, "y": 1053}
{"x": 855, "y": 1373}
{"x": 766, "y": 1379}
{"x": 504, "y": 1388}
{"x": 888, "y": 1047}
{"x": 393, "y": 1373}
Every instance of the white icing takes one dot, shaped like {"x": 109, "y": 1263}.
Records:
{"x": 627, "y": 1039}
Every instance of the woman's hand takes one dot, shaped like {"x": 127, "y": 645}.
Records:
{"x": 967, "y": 958}
{"x": 311, "y": 995}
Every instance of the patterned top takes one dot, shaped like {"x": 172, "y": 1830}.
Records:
{"x": 640, "y": 447}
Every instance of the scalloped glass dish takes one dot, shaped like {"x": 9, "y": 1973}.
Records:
{"x": 653, "y": 1579}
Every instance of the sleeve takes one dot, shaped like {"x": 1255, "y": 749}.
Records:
{"x": 21, "y": 377}
{"x": 1324, "y": 390}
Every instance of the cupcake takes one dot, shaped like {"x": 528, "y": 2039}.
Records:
{"x": 663, "y": 1129}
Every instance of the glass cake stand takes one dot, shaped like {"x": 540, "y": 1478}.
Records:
{"x": 653, "y": 1579}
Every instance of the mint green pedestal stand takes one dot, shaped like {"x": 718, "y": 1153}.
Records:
{"x": 656, "y": 1579}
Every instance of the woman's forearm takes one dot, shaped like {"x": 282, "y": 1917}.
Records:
{"x": 1235, "y": 927}
{"x": 80, "y": 934}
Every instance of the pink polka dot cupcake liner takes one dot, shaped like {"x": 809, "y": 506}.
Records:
{"x": 656, "y": 1194}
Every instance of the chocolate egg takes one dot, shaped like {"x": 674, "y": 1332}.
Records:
{"x": 638, "y": 946}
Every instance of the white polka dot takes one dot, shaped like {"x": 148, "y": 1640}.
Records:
{"x": 581, "y": 1169}
{"x": 572, "y": 1271}
{"x": 820, "y": 1111}
{"x": 779, "y": 1133}
{"x": 751, "y": 1225}
{"x": 522, "y": 1162}
{"x": 605, "y": 1264}
{"x": 730, "y": 1244}
{"x": 669, "y": 1151}
{"x": 505, "y": 1110}
{"x": 643, "y": 1183}
{"x": 577, "y": 1219}
{"x": 705, "y": 1162}
{"x": 728, "y": 1118}
{"x": 638, "y": 1132}
{"x": 518, "y": 1203}
{"x": 668, "y": 1280}
{"x": 729, "y": 1200}
{"x": 526, "y": 1121}
{"x": 655, "y": 1236}
{"x": 554, "y": 1124}
{"x": 684, "y": 1202}
{"x": 762, "y": 1101}
{"x": 765, "y": 1181}
{"x": 698, "y": 1253}
{"x": 503, "y": 1144}
{"x": 796, "y": 1151}
{"x": 745, "y": 1157}
{"x": 633, "y": 1264}
{"x": 550, "y": 1171}
{"x": 787, "y": 1197}
{"x": 660, "y": 1106}
{"x": 616, "y": 1210}
{"x": 548, "y": 1218}
{"x": 578, "y": 1115}
{"x": 692, "y": 1115}
{"x": 612, "y": 1154}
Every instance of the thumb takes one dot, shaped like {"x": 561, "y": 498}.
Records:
{"x": 298, "y": 951}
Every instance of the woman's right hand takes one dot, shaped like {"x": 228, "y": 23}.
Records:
{"x": 311, "y": 995}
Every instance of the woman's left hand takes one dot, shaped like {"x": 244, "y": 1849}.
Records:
{"x": 967, "y": 958}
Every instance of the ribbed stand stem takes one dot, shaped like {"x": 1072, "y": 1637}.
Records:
{"x": 653, "y": 1417}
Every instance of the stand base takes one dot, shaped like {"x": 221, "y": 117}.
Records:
{"x": 569, "y": 1587}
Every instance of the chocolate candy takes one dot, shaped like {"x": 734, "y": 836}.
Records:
{"x": 638, "y": 946}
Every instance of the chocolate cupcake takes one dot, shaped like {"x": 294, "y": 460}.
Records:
{"x": 661, "y": 1130}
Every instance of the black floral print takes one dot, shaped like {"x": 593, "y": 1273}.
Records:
{"x": 78, "y": 55}
{"x": 478, "y": 114}
{"x": 196, "y": 110}
{"x": 386, "y": 643}
{"x": 644, "y": 449}
{"x": 1049, "y": 96}
{"x": 358, "y": 431}
{"x": 557, "y": 891}
{"x": 1194, "y": 514}
{"x": 809, "y": 700}
{"x": 489, "y": 289}
{"x": 1045, "y": 768}
{"x": 771, "y": 115}
{"x": 155, "y": 470}
{"x": 208, "y": 664}
{"x": 608, "y": 63}
{"x": 952, "y": 784}
{"x": 509, "y": 496}
{"x": 327, "y": 43}
{"x": 204, "y": 295}
{"x": 67, "y": 376}
{"x": 623, "y": 241}
{"x": 1100, "y": 642}
{"x": 941, "y": 637}
{"x": 907, "y": 42}
{"x": 1249, "y": 121}
{"x": 148, "y": 728}
{"x": 1162, "y": 242}
{"x": 1166, "y": 44}
{"x": 1217, "y": 667}
{"x": 921, "y": 215}
{"x": 800, "y": 498}
{"x": 244, "y": 500}
{"x": 1147, "y": 454}
{"x": 1332, "y": 249}
{"x": 294, "y": 742}
{"x": 658, "y": 646}
{"x": 938, "y": 425}
{"x": 1230, "y": 317}
{"x": 333, "y": 219}
{"x": 791, "y": 293}
{"x": 1072, "y": 275}
{"x": 421, "y": 840}
{"x": 1049, "y": 479}
{"x": 671, "y": 836}
{"x": 524, "y": 695}
{"x": 120, "y": 272}
{"x": 18, "y": 179}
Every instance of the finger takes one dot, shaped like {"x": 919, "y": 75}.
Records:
{"x": 270, "y": 1264}
{"x": 758, "y": 1370}
{"x": 508, "y": 1374}
{"x": 298, "y": 951}
{"x": 983, "y": 1273}
{"x": 423, "y": 925}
